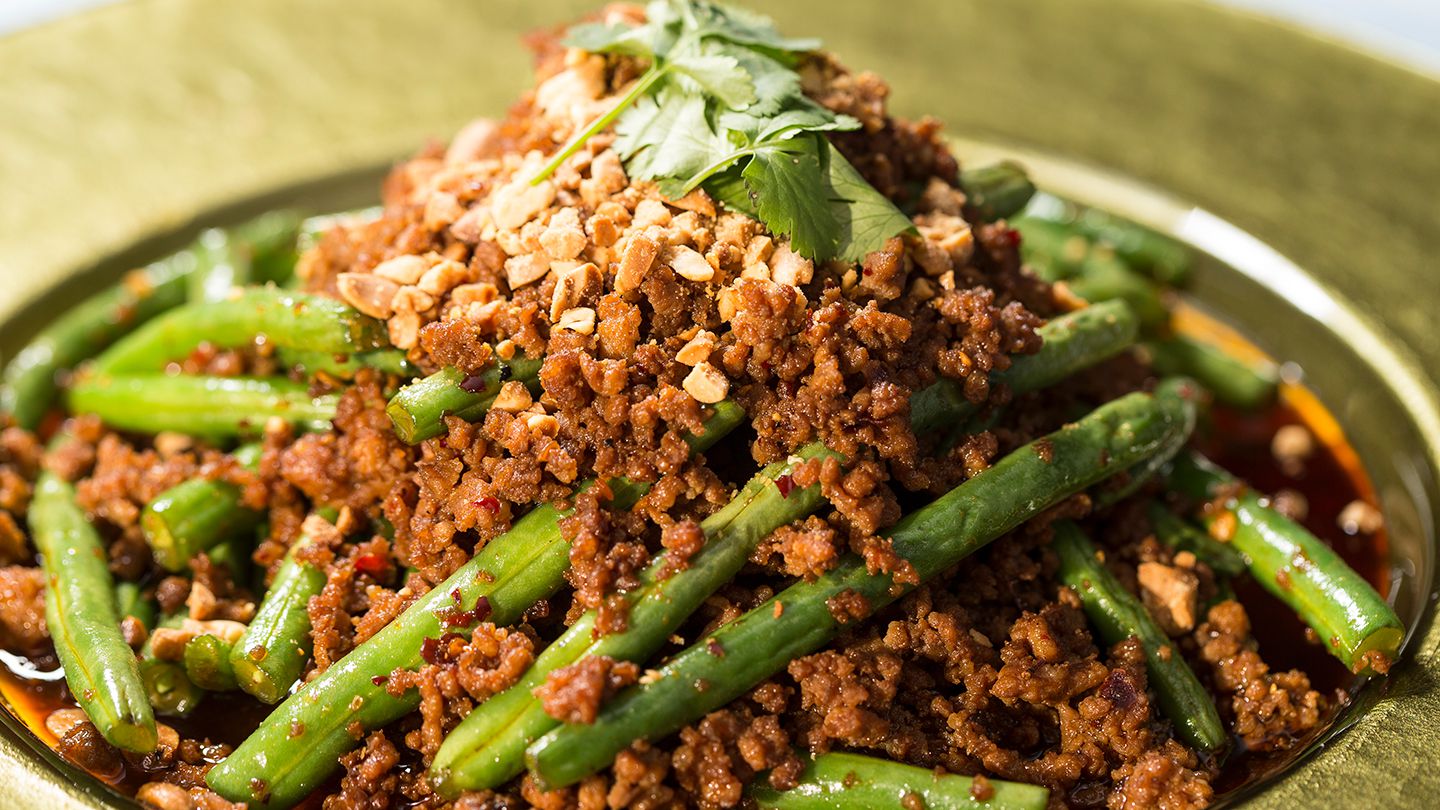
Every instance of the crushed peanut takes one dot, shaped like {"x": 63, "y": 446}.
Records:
{"x": 542, "y": 424}
{"x": 635, "y": 262}
{"x": 706, "y": 384}
{"x": 689, "y": 264}
{"x": 1171, "y": 593}
{"x": 579, "y": 319}
{"x": 444, "y": 277}
{"x": 514, "y": 397}
{"x": 789, "y": 267}
{"x": 698, "y": 349}
{"x": 573, "y": 287}
{"x": 519, "y": 202}
{"x": 371, "y": 294}
{"x": 403, "y": 270}
{"x": 1359, "y": 517}
{"x": 526, "y": 268}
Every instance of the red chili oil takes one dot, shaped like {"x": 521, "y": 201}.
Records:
{"x": 1329, "y": 480}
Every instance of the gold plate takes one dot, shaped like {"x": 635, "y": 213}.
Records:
{"x": 123, "y": 129}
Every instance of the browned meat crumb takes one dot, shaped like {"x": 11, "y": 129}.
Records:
{"x": 459, "y": 673}
{"x": 806, "y": 549}
{"x": 369, "y": 777}
{"x": 22, "y": 609}
{"x": 574, "y": 694}
{"x": 20, "y": 455}
{"x": 1271, "y": 710}
{"x": 166, "y": 796}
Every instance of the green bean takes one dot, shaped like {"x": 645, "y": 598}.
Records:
{"x": 207, "y": 664}
{"x": 720, "y": 668}
{"x": 1352, "y": 620}
{"x": 999, "y": 190}
{"x": 1071, "y": 342}
{"x": 198, "y": 514}
{"x": 234, "y": 555}
{"x": 212, "y": 407}
{"x": 851, "y": 780}
{"x": 274, "y": 240}
{"x": 284, "y": 318}
{"x": 1117, "y": 615}
{"x": 419, "y": 409}
{"x": 130, "y": 602}
{"x": 80, "y": 613}
{"x": 1137, "y": 477}
{"x": 1178, "y": 534}
{"x": 168, "y": 688}
{"x": 1054, "y": 251}
{"x": 262, "y": 250}
{"x": 270, "y": 657}
{"x": 509, "y": 575}
{"x": 1159, "y": 257}
{"x": 1250, "y": 386}
{"x": 487, "y": 748}
{"x": 1103, "y": 277}
{"x": 1058, "y": 253}
{"x": 345, "y": 366}
{"x": 85, "y": 329}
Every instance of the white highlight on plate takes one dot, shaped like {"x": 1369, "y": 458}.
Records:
{"x": 1258, "y": 260}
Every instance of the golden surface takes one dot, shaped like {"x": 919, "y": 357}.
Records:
{"x": 123, "y": 125}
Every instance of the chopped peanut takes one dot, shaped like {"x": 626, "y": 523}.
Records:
{"x": 526, "y": 269}
{"x": 444, "y": 277}
{"x": 573, "y": 287}
{"x": 372, "y": 295}
{"x": 1170, "y": 592}
{"x": 579, "y": 319}
{"x": 563, "y": 237}
{"x": 474, "y": 140}
{"x": 514, "y": 397}
{"x": 442, "y": 209}
{"x": 789, "y": 267}
{"x": 403, "y": 269}
{"x": 517, "y": 203}
{"x": 698, "y": 349}
{"x": 689, "y": 264}
{"x": 635, "y": 262}
{"x": 542, "y": 424}
{"x": 706, "y": 384}
{"x": 1359, "y": 517}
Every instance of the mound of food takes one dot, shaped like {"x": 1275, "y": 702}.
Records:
{"x": 695, "y": 435}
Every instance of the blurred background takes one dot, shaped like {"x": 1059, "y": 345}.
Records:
{"x": 1402, "y": 30}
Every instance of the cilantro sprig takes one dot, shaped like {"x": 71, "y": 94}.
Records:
{"x": 721, "y": 108}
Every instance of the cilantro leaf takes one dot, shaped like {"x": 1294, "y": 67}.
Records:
{"x": 784, "y": 179}
{"x": 667, "y": 137}
{"x": 730, "y": 190}
{"x": 806, "y": 190}
{"x": 741, "y": 27}
{"x": 720, "y": 76}
{"x": 869, "y": 217}
{"x": 613, "y": 38}
{"x": 721, "y": 107}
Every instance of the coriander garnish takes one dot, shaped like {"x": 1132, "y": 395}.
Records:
{"x": 721, "y": 108}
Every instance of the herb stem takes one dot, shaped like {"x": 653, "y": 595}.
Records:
{"x": 647, "y": 81}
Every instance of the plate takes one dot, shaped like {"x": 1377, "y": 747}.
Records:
{"x": 1309, "y": 168}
